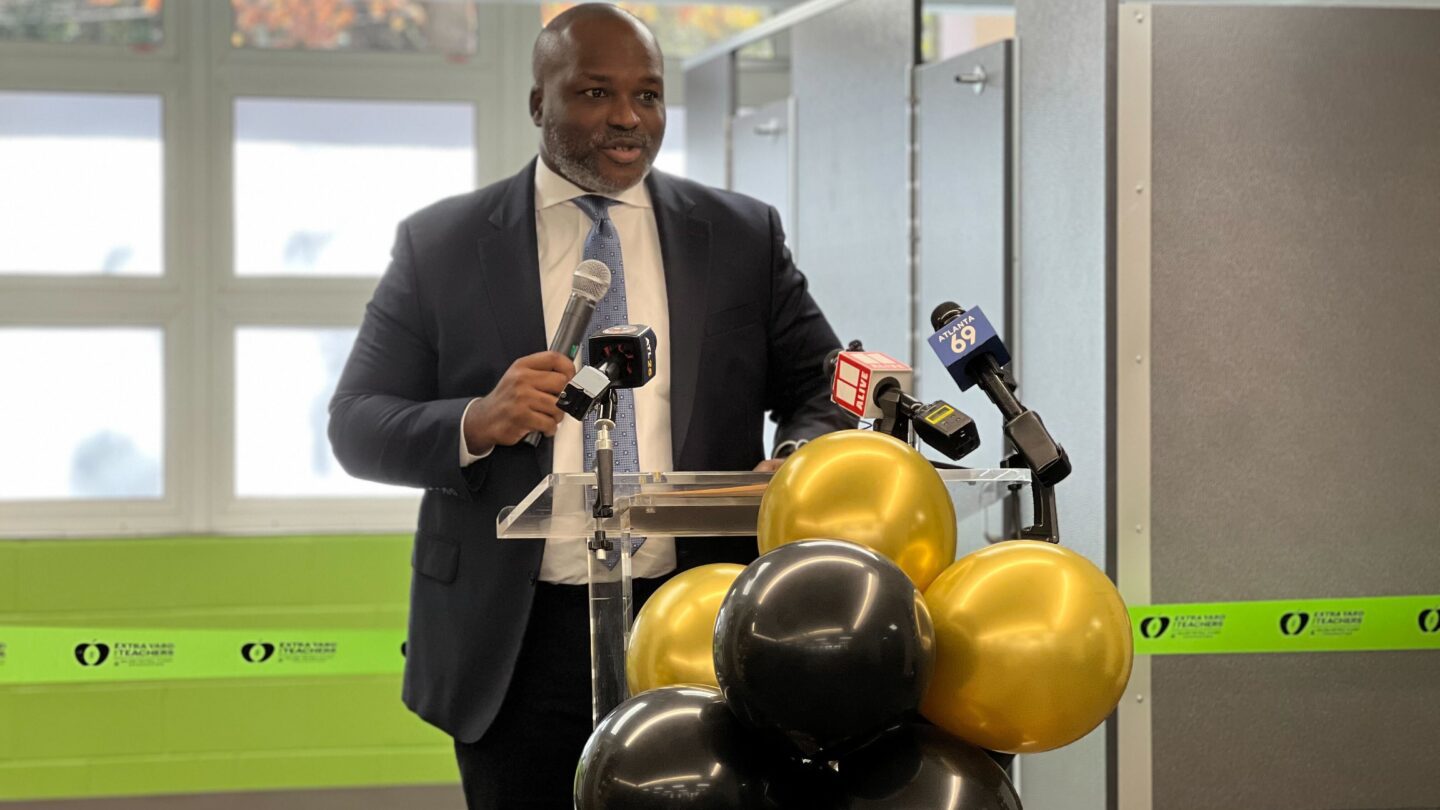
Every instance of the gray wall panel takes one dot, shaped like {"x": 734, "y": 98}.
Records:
{"x": 1314, "y": 731}
{"x": 709, "y": 102}
{"x": 1296, "y": 443}
{"x": 1065, "y": 50}
{"x": 850, "y": 75}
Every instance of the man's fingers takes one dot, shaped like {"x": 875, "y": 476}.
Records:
{"x": 541, "y": 422}
{"x": 548, "y": 407}
{"x": 549, "y": 382}
{"x": 543, "y": 403}
{"x": 548, "y": 361}
{"x": 560, "y": 364}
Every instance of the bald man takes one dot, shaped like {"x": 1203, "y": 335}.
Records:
{"x": 449, "y": 373}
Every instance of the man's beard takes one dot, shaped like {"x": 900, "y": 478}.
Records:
{"x": 580, "y": 166}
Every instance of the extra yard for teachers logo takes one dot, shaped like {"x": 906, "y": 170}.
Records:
{"x": 1184, "y": 626}
{"x": 1331, "y": 623}
{"x": 1154, "y": 626}
{"x": 125, "y": 653}
{"x": 291, "y": 652}
{"x": 1429, "y": 621}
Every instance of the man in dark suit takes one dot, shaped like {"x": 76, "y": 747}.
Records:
{"x": 448, "y": 374}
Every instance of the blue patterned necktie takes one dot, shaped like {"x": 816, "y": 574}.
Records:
{"x": 603, "y": 244}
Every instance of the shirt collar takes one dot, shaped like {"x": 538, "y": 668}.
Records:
{"x": 551, "y": 189}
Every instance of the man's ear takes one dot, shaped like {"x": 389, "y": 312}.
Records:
{"x": 537, "y": 98}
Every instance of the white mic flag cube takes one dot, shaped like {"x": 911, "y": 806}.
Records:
{"x": 856, "y": 375}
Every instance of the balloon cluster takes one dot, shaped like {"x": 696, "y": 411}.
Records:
{"x": 854, "y": 665}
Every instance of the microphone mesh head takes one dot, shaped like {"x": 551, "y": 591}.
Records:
{"x": 945, "y": 313}
{"x": 592, "y": 279}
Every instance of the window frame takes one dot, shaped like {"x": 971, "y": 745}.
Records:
{"x": 198, "y": 300}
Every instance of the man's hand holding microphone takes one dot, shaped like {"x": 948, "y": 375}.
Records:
{"x": 523, "y": 402}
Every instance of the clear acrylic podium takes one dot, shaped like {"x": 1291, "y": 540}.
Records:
{"x": 673, "y": 504}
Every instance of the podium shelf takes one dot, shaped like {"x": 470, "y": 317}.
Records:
{"x": 695, "y": 504}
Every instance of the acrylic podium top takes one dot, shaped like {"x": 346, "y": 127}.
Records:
{"x": 695, "y": 504}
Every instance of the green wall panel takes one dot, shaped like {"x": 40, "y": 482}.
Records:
{"x": 124, "y": 739}
{"x": 87, "y": 721}
{"x": 68, "y": 576}
{"x": 9, "y": 583}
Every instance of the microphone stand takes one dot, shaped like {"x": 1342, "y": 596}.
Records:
{"x": 609, "y": 589}
{"x": 1042, "y": 496}
{"x": 604, "y": 506}
{"x": 1030, "y": 444}
{"x": 895, "y": 410}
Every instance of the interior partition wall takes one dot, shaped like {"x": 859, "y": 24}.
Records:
{"x": 1279, "y": 173}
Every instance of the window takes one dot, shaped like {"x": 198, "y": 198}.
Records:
{"x": 320, "y": 184}
{"x": 183, "y": 267}
{"x": 284, "y": 377}
{"x": 948, "y": 31}
{"x": 440, "y": 26}
{"x": 83, "y": 183}
{"x": 92, "y": 425}
{"x": 136, "y": 23}
{"x": 685, "y": 30}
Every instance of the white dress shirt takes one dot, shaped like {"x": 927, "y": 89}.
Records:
{"x": 561, "y": 228}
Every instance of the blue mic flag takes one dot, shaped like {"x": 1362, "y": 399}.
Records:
{"x": 964, "y": 339}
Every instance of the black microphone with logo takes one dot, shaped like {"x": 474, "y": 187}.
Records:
{"x": 587, "y": 286}
{"x": 620, "y": 357}
{"x": 974, "y": 355}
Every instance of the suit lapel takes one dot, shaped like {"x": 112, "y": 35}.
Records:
{"x": 685, "y": 252}
{"x": 510, "y": 262}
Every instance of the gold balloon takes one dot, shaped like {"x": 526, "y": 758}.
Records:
{"x": 866, "y": 487}
{"x": 672, "y": 639}
{"x": 1034, "y": 647}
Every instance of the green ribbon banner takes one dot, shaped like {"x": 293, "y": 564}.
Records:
{"x": 1293, "y": 625}
{"x": 31, "y": 655}
{"x": 88, "y": 655}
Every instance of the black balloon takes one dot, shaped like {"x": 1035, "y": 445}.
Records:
{"x": 826, "y": 643}
{"x": 681, "y": 747}
{"x": 922, "y": 766}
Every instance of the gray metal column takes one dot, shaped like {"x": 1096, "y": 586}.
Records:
{"x": 1066, "y": 51}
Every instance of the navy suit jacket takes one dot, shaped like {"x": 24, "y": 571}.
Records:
{"x": 458, "y": 304}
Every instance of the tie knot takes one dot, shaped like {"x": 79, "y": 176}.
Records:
{"x": 595, "y": 206}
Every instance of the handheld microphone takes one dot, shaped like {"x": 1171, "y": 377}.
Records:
{"x": 871, "y": 385}
{"x": 620, "y": 357}
{"x": 973, "y": 353}
{"x": 587, "y": 286}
